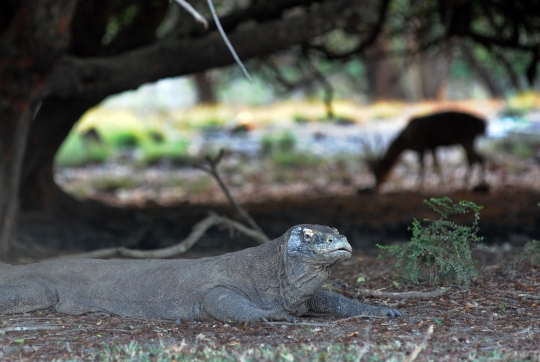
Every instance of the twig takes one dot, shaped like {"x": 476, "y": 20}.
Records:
{"x": 298, "y": 324}
{"x": 190, "y": 9}
{"x": 378, "y": 293}
{"x": 212, "y": 170}
{"x": 28, "y": 328}
{"x": 226, "y": 40}
{"x": 198, "y": 230}
{"x": 422, "y": 345}
{"x": 521, "y": 294}
{"x": 360, "y": 316}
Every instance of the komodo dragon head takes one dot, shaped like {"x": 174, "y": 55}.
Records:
{"x": 317, "y": 243}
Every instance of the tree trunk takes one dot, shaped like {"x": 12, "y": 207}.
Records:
{"x": 434, "y": 70}
{"x": 486, "y": 75}
{"x": 383, "y": 73}
{"x": 13, "y": 130}
{"x": 205, "y": 88}
{"x": 47, "y": 133}
{"x": 29, "y": 47}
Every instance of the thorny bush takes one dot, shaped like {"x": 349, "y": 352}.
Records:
{"x": 441, "y": 248}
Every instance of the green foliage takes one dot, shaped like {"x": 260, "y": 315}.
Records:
{"x": 294, "y": 159}
{"x": 531, "y": 252}
{"x": 125, "y": 138}
{"x": 284, "y": 142}
{"x": 442, "y": 248}
{"x": 174, "y": 151}
{"x": 77, "y": 152}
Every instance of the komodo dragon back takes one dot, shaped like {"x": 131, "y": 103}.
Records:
{"x": 280, "y": 280}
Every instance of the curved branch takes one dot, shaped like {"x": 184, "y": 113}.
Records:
{"x": 95, "y": 77}
{"x": 377, "y": 29}
{"x": 198, "y": 231}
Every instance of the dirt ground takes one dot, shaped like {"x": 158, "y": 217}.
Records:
{"x": 497, "y": 319}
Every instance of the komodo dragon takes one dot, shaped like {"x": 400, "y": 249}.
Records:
{"x": 278, "y": 280}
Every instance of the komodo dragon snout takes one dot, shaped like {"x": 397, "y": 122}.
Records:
{"x": 280, "y": 280}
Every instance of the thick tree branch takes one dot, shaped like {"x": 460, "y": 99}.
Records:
{"x": 259, "y": 11}
{"x": 99, "y": 77}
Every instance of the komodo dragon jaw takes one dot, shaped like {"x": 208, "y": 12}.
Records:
{"x": 322, "y": 244}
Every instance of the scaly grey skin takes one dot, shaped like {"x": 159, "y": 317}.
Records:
{"x": 279, "y": 280}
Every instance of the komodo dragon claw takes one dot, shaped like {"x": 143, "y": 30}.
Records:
{"x": 394, "y": 313}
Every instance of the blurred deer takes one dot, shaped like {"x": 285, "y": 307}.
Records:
{"x": 426, "y": 133}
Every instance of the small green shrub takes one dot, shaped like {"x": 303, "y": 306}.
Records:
{"x": 285, "y": 142}
{"x": 175, "y": 151}
{"x": 125, "y": 138}
{"x": 442, "y": 248}
{"x": 531, "y": 252}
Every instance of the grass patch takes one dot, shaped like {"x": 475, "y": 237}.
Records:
{"x": 173, "y": 151}
{"x": 77, "y": 152}
{"x": 275, "y": 143}
{"x": 531, "y": 252}
{"x": 398, "y": 351}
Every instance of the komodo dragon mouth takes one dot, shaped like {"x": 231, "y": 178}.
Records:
{"x": 326, "y": 243}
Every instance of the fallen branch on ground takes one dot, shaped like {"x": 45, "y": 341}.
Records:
{"x": 28, "y": 328}
{"x": 198, "y": 230}
{"x": 211, "y": 168}
{"x": 522, "y": 294}
{"x": 392, "y": 295}
{"x": 297, "y": 324}
{"x": 361, "y": 316}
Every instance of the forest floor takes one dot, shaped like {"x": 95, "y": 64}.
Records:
{"x": 496, "y": 319}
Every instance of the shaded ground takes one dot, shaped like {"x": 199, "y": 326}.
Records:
{"x": 498, "y": 318}
{"x": 509, "y": 215}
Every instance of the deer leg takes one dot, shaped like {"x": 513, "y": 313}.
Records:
{"x": 421, "y": 169}
{"x": 436, "y": 163}
{"x": 472, "y": 158}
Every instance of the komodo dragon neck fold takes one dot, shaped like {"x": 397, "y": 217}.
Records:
{"x": 275, "y": 281}
{"x": 297, "y": 273}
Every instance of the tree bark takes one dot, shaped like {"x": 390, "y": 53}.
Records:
{"x": 484, "y": 73}
{"x": 434, "y": 70}
{"x": 102, "y": 76}
{"x": 47, "y": 133}
{"x": 383, "y": 73}
{"x": 205, "y": 88}
{"x": 35, "y": 39}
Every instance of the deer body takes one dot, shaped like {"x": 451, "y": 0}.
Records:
{"x": 426, "y": 133}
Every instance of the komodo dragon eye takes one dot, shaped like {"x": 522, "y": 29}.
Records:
{"x": 329, "y": 240}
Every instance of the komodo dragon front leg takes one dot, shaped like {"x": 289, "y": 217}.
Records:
{"x": 335, "y": 305}
{"x": 26, "y": 297}
{"x": 228, "y": 306}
